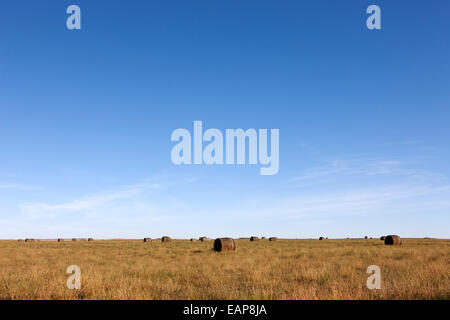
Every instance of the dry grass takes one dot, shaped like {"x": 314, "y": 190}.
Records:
{"x": 181, "y": 269}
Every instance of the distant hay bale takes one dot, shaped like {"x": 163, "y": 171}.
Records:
{"x": 74, "y": 239}
{"x": 321, "y": 238}
{"x": 224, "y": 244}
{"x": 365, "y": 237}
{"x": 202, "y": 239}
{"x": 192, "y": 239}
{"x": 166, "y": 239}
{"x": 147, "y": 240}
{"x": 20, "y": 240}
{"x": 60, "y": 240}
{"x": 90, "y": 239}
{"x": 382, "y": 237}
{"x": 392, "y": 240}
{"x": 326, "y": 238}
{"x": 253, "y": 238}
{"x": 273, "y": 239}
{"x": 263, "y": 238}
{"x": 30, "y": 240}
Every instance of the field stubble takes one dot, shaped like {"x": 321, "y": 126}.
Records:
{"x": 181, "y": 269}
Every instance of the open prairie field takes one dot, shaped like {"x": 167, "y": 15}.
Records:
{"x": 284, "y": 269}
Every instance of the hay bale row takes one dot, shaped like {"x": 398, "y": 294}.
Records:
{"x": 166, "y": 239}
{"x": 58, "y": 240}
{"x": 75, "y": 239}
{"x": 224, "y": 244}
{"x": 82, "y": 239}
{"x": 392, "y": 240}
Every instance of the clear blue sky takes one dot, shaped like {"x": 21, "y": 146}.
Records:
{"x": 86, "y": 118}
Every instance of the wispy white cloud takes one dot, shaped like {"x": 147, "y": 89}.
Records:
{"x": 313, "y": 222}
{"x": 307, "y": 207}
{"x": 365, "y": 167}
{"x": 88, "y": 202}
{"x": 19, "y": 186}
{"x": 363, "y": 201}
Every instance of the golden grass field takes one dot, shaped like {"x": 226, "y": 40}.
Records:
{"x": 285, "y": 269}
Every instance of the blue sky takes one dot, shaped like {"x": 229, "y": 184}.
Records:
{"x": 86, "y": 118}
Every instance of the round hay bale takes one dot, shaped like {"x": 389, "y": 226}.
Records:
{"x": 365, "y": 237}
{"x": 273, "y": 239}
{"x": 166, "y": 239}
{"x": 20, "y": 240}
{"x": 147, "y": 239}
{"x": 202, "y": 239}
{"x": 253, "y": 238}
{"x": 393, "y": 240}
{"x": 90, "y": 239}
{"x": 192, "y": 239}
{"x": 74, "y": 239}
{"x": 321, "y": 238}
{"x": 30, "y": 240}
{"x": 263, "y": 238}
{"x": 224, "y": 244}
{"x": 60, "y": 240}
{"x": 382, "y": 238}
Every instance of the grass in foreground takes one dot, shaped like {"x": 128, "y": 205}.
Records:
{"x": 285, "y": 269}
